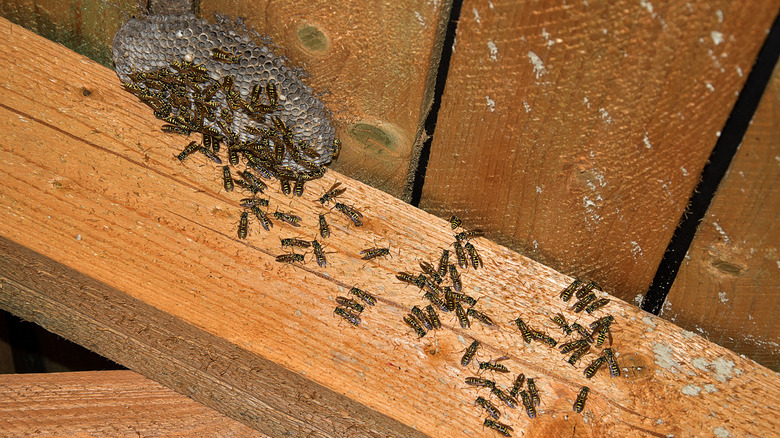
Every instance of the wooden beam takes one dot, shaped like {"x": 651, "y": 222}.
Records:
{"x": 111, "y": 242}
{"x": 105, "y": 403}
{"x": 728, "y": 287}
{"x": 576, "y": 133}
{"x": 377, "y": 63}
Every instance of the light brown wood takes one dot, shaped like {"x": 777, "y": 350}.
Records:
{"x": 111, "y": 242}
{"x": 728, "y": 287}
{"x": 105, "y": 403}
{"x": 575, "y": 133}
{"x": 377, "y": 61}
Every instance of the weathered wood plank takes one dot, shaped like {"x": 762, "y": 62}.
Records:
{"x": 728, "y": 287}
{"x": 575, "y": 133}
{"x": 105, "y": 403}
{"x": 111, "y": 242}
{"x": 377, "y": 62}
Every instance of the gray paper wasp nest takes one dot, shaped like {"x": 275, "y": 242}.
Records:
{"x": 217, "y": 80}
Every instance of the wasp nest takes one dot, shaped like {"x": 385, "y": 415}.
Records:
{"x": 215, "y": 79}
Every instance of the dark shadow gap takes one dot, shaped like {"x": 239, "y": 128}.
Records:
{"x": 438, "y": 91}
{"x": 726, "y": 147}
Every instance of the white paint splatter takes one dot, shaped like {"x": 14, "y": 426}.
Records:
{"x": 22, "y": 119}
{"x": 648, "y": 145}
{"x": 78, "y": 237}
{"x": 587, "y": 102}
{"x": 493, "y": 51}
{"x": 490, "y": 4}
{"x": 419, "y": 18}
{"x": 778, "y": 264}
{"x": 476, "y": 16}
{"x": 636, "y": 250}
{"x": 717, "y": 37}
{"x": 721, "y": 432}
{"x": 546, "y": 37}
{"x": 723, "y": 369}
{"x": 687, "y": 335}
{"x": 709, "y": 86}
{"x": 717, "y": 134}
{"x": 587, "y": 203}
{"x": 638, "y": 299}
{"x": 719, "y": 13}
{"x": 539, "y": 69}
{"x": 663, "y": 356}
{"x": 722, "y": 297}
{"x": 739, "y": 71}
{"x": 721, "y": 232}
{"x": 527, "y": 107}
{"x": 605, "y": 115}
{"x": 648, "y": 6}
{"x": 491, "y": 104}
{"x": 684, "y": 171}
{"x": 691, "y": 390}
{"x": 454, "y": 41}
{"x": 710, "y": 388}
{"x": 538, "y": 189}
{"x": 536, "y": 244}
{"x": 650, "y": 322}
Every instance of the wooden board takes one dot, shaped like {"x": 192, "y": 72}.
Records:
{"x": 575, "y": 133}
{"x": 109, "y": 241}
{"x": 105, "y": 403}
{"x": 377, "y": 62}
{"x": 728, "y": 287}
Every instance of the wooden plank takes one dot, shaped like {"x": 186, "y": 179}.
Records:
{"x": 109, "y": 241}
{"x": 377, "y": 62}
{"x": 105, "y": 403}
{"x": 728, "y": 288}
{"x": 575, "y": 133}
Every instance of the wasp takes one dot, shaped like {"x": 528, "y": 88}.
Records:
{"x": 444, "y": 261}
{"x": 224, "y": 56}
{"x": 577, "y": 355}
{"x": 227, "y": 180}
{"x": 586, "y": 289}
{"x": 372, "y": 253}
{"x": 208, "y": 154}
{"x": 349, "y": 316}
{"x": 253, "y": 202}
{"x": 243, "y": 225}
{"x": 449, "y": 300}
{"x": 607, "y": 320}
{"x": 175, "y": 129}
{"x": 455, "y": 277}
{"x": 256, "y": 93}
{"x": 293, "y": 242}
{"x": 529, "y": 406}
{"x": 363, "y": 295}
{"x": 489, "y": 407}
{"x": 285, "y": 185}
{"x": 188, "y": 150}
{"x": 594, "y": 366}
{"x": 579, "y": 404}
{"x": 273, "y": 96}
{"x": 597, "y": 305}
{"x": 319, "y": 254}
{"x": 543, "y": 338}
{"x": 289, "y": 258}
{"x": 288, "y": 217}
{"x": 527, "y": 336}
{"x": 480, "y": 381}
{"x": 471, "y": 351}
{"x": 481, "y": 317}
{"x": 412, "y": 322}
{"x": 351, "y": 213}
{"x": 463, "y": 298}
{"x": 252, "y": 180}
{"x": 583, "y": 302}
{"x": 463, "y": 317}
{"x": 454, "y": 221}
{"x": 504, "y": 397}
{"x": 430, "y": 284}
{"x": 573, "y": 345}
{"x": 517, "y": 386}
{"x": 460, "y": 254}
{"x": 433, "y": 317}
{"x": 476, "y": 260}
{"x": 603, "y": 334}
{"x": 432, "y": 273}
{"x": 324, "y": 227}
{"x": 350, "y": 304}
{"x": 560, "y": 320}
{"x": 568, "y": 292}
{"x": 422, "y": 317}
{"x": 262, "y": 217}
{"x": 581, "y": 330}
{"x": 493, "y": 366}
{"x": 260, "y": 167}
{"x": 533, "y": 392}
{"x": 501, "y": 428}
{"x": 436, "y": 301}
{"x": 298, "y": 189}
{"x": 614, "y": 369}
{"x": 407, "y": 278}
{"x": 466, "y": 235}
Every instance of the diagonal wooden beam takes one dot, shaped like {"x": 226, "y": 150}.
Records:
{"x": 111, "y": 242}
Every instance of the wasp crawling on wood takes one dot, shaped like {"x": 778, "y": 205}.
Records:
{"x": 455, "y": 278}
{"x": 614, "y": 369}
{"x": 436, "y": 301}
{"x": 582, "y": 331}
{"x": 476, "y": 260}
{"x": 410, "y": 320}
{"x": 460, "y": 254}
{"x": 466, "y": 235}
{"x": 491, "y": 409}
{"x": 481, "y": 317}
{"x": 289, "y": 258}
{"x": 597, "y": 305}
{"x": 579, "y": 404}
{"x": 463, "y": 317}
{"x": 351, "y": 213}
{"x": 349, "y": 316}
{"x": 517, "y": 386}
{"x": 243, "y": 225}
{"x": 363, "y": 295}
{"x": 210, "y": 155}
{"x": 560, "y": 320}
{"x": 454, "y": 221}
{"x": 580, "y": 305}
{"x": 529, "y": 405}
{"x": 586, "y": 289}
{"x": 543, "y": 338}
{"x": 504, "y": 397}
{"x": 253, "y": 202}
{"x": 594, "y": 366}
{"x": 332, "y": 192}
{"x": 324, "y": 227}
{"x": 372, "y": 253}
{"x": 262, "y": 217}
{"x": 431, "y": 272}
{"x": 422, "y": 317}
{"x": 188, "y": 150}
{"x": 573, "y": 345}
{"x": 433, "y": 317}
{"x": 493, "y": 366}
{"x": 253, "y": 180}
{"x": 319, "y": 254}
{"x": 227, "y": 179}
{"x": 577, "y": 355}
{"x": 480, "y": 381}
{"x": 444, "y": 261}
{"x": 533, "y": 392}
{"x": 501, "y": 428}
{"x": 295, "y": 243}
{"x": 570, "y": 289}
{"x": 469, "y": 354}
{"x": 288, "y": 217}
{"x": 524, "y": 331}
{"x": 350, "y": 304}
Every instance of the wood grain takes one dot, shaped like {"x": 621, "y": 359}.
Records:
{"x": 109, "y": 241}
{"x": 105, "y": 403}
{"x": 377, "y": 62}
{"x": 728, "y": 287}
{"x": 575, "y": 133}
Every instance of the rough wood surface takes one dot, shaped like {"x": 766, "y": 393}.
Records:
{"x": 728, "y": 287}
{"x": 377, "y": 62}
{"x": 111, "y": 242}
{"x": 575, "y": 133}
{"x": 105, "y": 403}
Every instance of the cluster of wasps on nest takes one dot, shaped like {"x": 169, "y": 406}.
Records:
{"x": 182, "y": 94}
